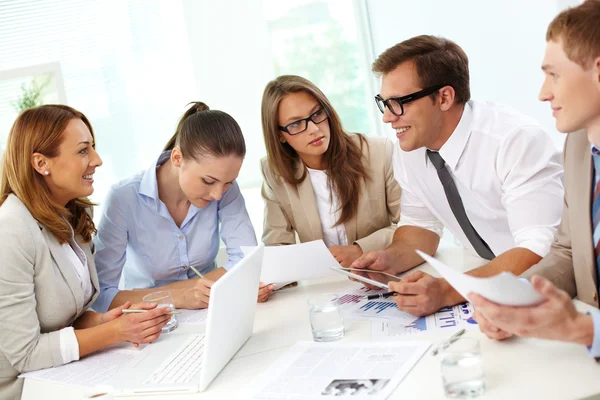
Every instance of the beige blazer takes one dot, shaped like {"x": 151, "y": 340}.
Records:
{"x": 40, "y": 293}
{"x": 570, "y": 264}
{"x": 292, "y": 209}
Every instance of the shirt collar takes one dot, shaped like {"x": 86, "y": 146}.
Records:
{"x": 149, "y": 184}
{"x": 452, "y": 150}
{"x": 595, "y": 150}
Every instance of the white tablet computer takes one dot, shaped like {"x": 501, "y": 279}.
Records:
{"x": 360, "y": 278}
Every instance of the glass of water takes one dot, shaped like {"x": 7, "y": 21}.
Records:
{"x": 462, "y": 369}
{"x": 164, "y": 299}
{"x": 326, "y": 318}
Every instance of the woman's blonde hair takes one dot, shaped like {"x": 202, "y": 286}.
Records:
{"x": 343, "y": 158}
{"x": 40, "y": 130}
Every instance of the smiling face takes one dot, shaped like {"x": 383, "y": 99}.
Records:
{"x": 71, "y": 172}
{"x": 207, "y": 180}
{"x": 572, "y": 91}
{"x": 314, "y": 141}
{"x": 421, "y": 123}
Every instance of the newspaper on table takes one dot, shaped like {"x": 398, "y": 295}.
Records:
{"x": 354, "y": 305}
{"x": 98, "y": 369}
{"x": 353, "y": 370}
{"x": 447, "y": 319}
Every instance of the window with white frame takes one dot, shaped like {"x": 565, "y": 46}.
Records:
{"x": 132, "y": 66}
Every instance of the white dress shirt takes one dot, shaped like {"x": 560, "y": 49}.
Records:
{"x": 329, "y": 211}
{"x": 508, "y": 174}
{"x": 69, "y": 346}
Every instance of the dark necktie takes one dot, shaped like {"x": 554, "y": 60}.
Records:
{"x": 458, "y": 209}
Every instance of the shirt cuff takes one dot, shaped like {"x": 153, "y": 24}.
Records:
{"x": 105, "y": 298}
{"x": 594, "y": 350}
{"x": 69, "y": 346}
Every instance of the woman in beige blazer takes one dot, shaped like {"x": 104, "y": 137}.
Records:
{"x": 47, "y": 276}
{"x": 321, "y": 182}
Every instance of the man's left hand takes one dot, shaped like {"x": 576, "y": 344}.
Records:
{"x": 555, "y": 318}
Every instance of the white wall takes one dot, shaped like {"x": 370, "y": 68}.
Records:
{"x": 504, "y": 41}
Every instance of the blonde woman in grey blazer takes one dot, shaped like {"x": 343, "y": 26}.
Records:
{"x": 47, "y": 273}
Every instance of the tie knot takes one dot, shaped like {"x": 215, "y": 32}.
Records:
{"x": 436, "y": 159}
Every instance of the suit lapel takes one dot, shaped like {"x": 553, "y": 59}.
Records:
{"x": 584, "y": 182}
{"x": 89, "y": 250}
{"x": 65, "y": 267}
{"x": 306, "y": 204}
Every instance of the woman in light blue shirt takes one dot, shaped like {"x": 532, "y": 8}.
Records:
{"x": 159, "y": 222}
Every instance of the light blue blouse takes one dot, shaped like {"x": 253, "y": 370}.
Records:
{"x": 138, "y": 237}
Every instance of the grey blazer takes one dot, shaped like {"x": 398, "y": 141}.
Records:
{"x": 40, "y": 293}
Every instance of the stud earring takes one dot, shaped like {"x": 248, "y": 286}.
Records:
{"x": 46, "y": 172}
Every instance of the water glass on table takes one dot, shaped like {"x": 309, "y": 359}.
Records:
{"x": 326, "y": 318}
{"x": 462, "y": 369}
{"x": 163, "y": 299}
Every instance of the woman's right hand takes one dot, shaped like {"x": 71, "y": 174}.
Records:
{"x": 198, "y": 295}
{"x": 139, "y": 328}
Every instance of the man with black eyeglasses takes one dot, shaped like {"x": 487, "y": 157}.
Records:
{"x": 488, "y": 174}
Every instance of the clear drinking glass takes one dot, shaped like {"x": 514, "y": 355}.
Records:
{"x": 326, "y": 318}
{"x": 462, "y": 369}
{"x": 164, "y": 299}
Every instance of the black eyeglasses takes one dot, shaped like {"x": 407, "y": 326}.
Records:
{"x": 300, "y": 126}
{"x": 396, "y": 104}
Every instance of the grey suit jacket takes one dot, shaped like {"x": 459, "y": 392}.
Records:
{"x": 40, "y": 293}
{"x": 293, "y": 209}
{"x": 571, "y": 265}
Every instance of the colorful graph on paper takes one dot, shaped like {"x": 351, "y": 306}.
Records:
{"x": 356, "y": 306}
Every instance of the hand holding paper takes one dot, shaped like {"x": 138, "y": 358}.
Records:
{"x": 504, "y": 288}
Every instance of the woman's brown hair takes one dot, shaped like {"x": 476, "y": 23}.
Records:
{"x": 343, "y": 158}
{"x": 202, "y": 132}
{"x": 40, "y": 130}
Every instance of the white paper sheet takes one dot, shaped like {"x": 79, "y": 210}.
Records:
{"x": 192, "y": 317}
{"x": 284, "y": 264}
{"x": 504, "y": 288}
{"x": 355, "y": 306}
{"x": 448, "y": 319}
{"x": 312, "y": 370}
{"x": 94, "y": 370}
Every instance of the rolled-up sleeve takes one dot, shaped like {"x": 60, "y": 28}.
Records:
{"x": 595, "y": 348}
{"x": 529, "y": 165}
{"x": 236, "y": 228}
{"x": 111, "y": 249}
{"x": 413, "y": 211}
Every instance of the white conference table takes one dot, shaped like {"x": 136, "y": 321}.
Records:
{"x": 514, "y": 369}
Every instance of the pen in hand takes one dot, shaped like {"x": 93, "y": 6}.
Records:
{"x": 130, "y": 311}
{"x": 380, "y": 296}
{"x": 196, "y": 271}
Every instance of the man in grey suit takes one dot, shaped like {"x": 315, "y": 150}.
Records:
{"x": 572, "y": 86}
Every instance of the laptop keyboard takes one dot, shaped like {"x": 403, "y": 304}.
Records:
{"x": 182, "y": 366}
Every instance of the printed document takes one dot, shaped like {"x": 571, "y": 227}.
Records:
{"x": 504, "y": 288}
{"x": 192, "y": 317}
{"x": 284, "y": 264}
{"x": 93, "y": 370}
{"x": 356, "y": 370}
{"x": 447, "y": 319}
{"x": 355, "y": 306}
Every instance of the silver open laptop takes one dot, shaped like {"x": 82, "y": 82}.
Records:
{"x": 187, "y": 362}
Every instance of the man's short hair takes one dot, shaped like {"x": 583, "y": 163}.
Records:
{"x": 438, "y": 61}
{"x": 579, "y": 29}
